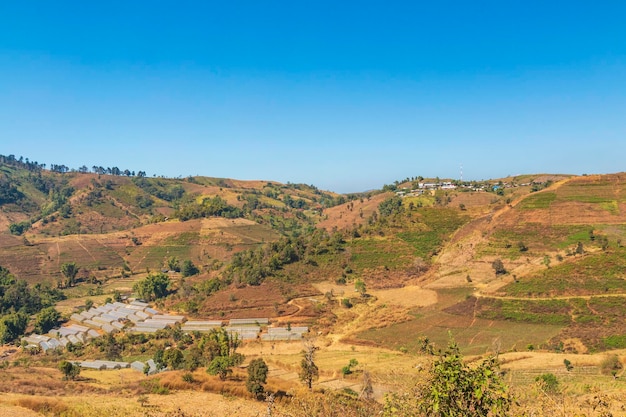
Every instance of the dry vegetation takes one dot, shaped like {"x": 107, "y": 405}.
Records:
{"x": 415, "y": 289}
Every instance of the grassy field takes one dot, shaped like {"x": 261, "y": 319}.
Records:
{"x": 537, "y": 201}
{"x": 595, "y": 273}
{"x": 474, "y": 335}
{"x": 370, "y": 253}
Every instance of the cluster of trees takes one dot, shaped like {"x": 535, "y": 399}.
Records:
{"x": 19, "y": 228}
{"x": 296, "y": 203}
{"x": 24, "y": 163}
{"x": 211, "y": 206}
{"x": 109, "y": 171}
{"x": 21, "y": 162}
{"x": 18, "y": 301}
{"x": 60, "y": 168}
{"x": 153, "y": 287}
{"x": 9, "y": 193}
{"x": 253, "y": 266}
{"x": 69, "y": 271}
{"x": 57, "y": 194}
{"x": 187, "y": 269}
{"x": 390, "y": 206}
{"x": 216, "y": 350}
{"x": 160, "y": 188}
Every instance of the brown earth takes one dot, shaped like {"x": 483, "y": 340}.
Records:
{"x": 354, "y": 212}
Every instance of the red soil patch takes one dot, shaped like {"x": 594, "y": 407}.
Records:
{"x": 266, "y": 300}
{"x": 355, "y": 212}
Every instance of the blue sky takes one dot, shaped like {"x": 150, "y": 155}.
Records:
{"x": 347, "y": 96}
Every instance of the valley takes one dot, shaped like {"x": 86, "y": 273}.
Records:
{"x": 528, "y": 268}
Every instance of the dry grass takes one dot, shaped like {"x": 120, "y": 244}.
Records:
{"x": 44, "y": 406}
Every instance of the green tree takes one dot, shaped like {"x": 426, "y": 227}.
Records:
{"x": 309, "y": 371}
{"x": 173, "y": 264}
{"x": 189, "y": 269}
{"x": 498, "y": 267}
{"x": 173, "y": 358}
{"x": 220, "y": 348}
{"x": 454, "y": 389}
{"x": 193, "y": 358}
{"x": 12, "y": 326}
{"x": 390, "y": 206}
{"x": 257, "y": 376}
{"x": 46, "y": 320}
{"x": 568, "y": 365}
{"x": 347, "y": 370}
{"x": 359, "y": 286}
{"x": 220, "y": 366}
{"x": 69, "y": 271}
{"x": 110, "y": 346}
{"x": 548, "y": 383}
{"x": 69, "y": 369}
{"x": 153, "y": 287}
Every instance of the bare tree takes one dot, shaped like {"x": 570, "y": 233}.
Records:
{"x": 368, "y": 391}
{"x": 309, "y": 371}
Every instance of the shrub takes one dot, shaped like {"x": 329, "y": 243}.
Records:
{"x": 611, "y": 365}
{"x": 568, "y": 365}
{"x": 549, "y": 383}
{"x": 453, "y": 388}
{"x": 498, "y": 267}
{"x": 69, "y": 369}
{"x": 257, "y": 376}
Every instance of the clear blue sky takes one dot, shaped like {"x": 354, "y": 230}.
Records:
{"x": 344, "y": 95}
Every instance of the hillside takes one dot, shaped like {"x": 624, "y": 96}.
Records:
{"x": 110, "y": 222}
{"x": 553, "y": 294}
{"x": 374, "y": 275}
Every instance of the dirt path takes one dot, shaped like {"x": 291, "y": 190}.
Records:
{"x": 407, "y": 296}
{"x": 84, "y": 248}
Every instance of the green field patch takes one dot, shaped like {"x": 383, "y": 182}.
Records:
{"x": 611, "y": 206}
{"x": 537, "y": 237}
{"x": 598, "y": 273}
{"x": 372, "y": 253}
{"x": 473, "y": 335}
{"x": 444, "y": 220}
{"x": 617, "y": 341}
{"x": 157, "y": 256}
{"x": 182, "y": 239}
{"x": 590, "y": 192}
{"x": 424, "y": 243}
{"x": 584, "y": 198}
{"x": 553, "y": 312}
{"x": 251, "y": 234}
{"x": 612, "y": 308}
{"x": 537, "y": 201}
{"x": 420, "y": 201}
{"x": 108, "y": 209}
{"x": 578, "y": 234}
{"x": 436, "y": 225}
{"x": 89, "y": 254}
